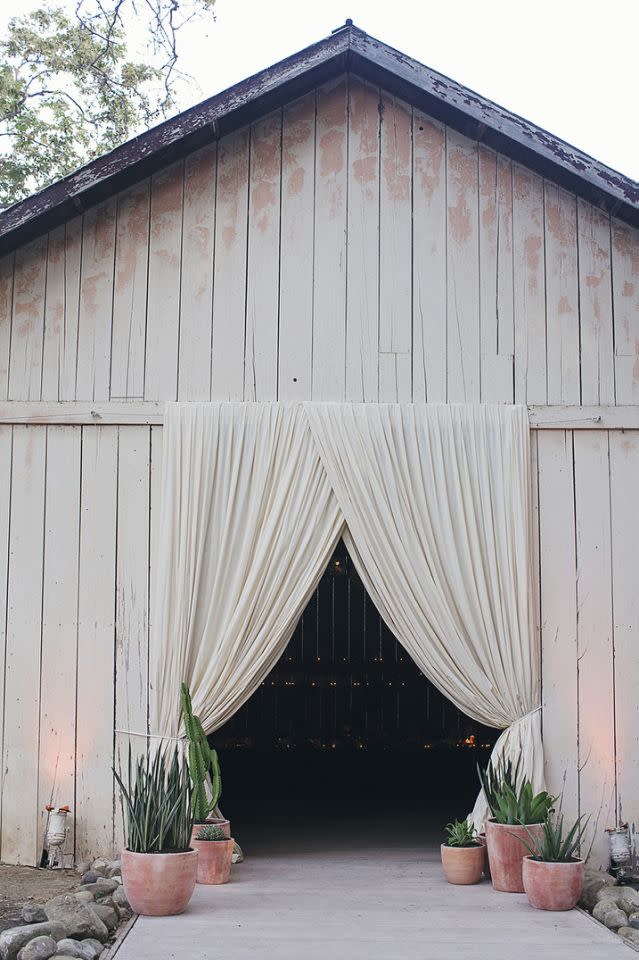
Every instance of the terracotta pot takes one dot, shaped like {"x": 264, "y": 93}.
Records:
{"x": 216, "y": 821}
{"x": 506, "y": 844}
{"x": 481, "y": 838}
{"x": 214, "y": 860}
{"x": 463, "y": 864}
{"x": 553, "y": 886}
{"x": 159, "y": 884}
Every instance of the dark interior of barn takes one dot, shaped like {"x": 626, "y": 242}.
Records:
{"x": 346, "y": 727}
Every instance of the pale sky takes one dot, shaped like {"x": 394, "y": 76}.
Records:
{"x": 569, "y": 66}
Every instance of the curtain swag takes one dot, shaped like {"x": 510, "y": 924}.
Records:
{"x": 433, "y": 502}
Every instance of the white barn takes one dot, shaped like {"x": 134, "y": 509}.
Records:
{"x": 347, "y": 225}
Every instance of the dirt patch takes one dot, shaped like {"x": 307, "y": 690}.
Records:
{"x": 21, "y": 885}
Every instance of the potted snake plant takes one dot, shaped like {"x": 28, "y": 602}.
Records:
{"x": 553, "y": 875}
{"x": 204, "y": 765}
{"x": 215, "y": 854}
{"x": 462, "y": 854}
{"x": 517, "y": 814}
{"x": 159, "y": 866}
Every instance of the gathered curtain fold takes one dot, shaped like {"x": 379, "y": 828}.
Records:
{"x": 434, "y": 505}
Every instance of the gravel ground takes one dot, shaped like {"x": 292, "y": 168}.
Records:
{"x": 20, "y": 885}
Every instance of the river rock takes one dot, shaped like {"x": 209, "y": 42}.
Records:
{"x": 114, "y": 869}
{"x": 608, "y": 913}
{"x": 89, "y": 877}
{"x": 40, "y": 948}
{"x": 95, "y": 945}
{"x": 15, "y": 938}
{"x": 33, "y": 913}
{"x": 633, "y": 920}
{"x": 119, "y": 898}
{"x": 78, "y": 918}
{"x": 76, "y": 948}
{"x": 108, "y": 915}
{"x": 594, "y": 881}
{"x": 84, "y": 896}
{"x": 630, "y": 934}
{"x": 628, "y": 899}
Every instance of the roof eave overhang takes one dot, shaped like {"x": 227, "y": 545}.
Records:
{"x": 348, "y": 49}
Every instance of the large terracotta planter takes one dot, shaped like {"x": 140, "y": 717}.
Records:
{"x": 553, "y": 886}
{"x": 225, "y": 825}
{"x": 506, "y": 844}
{"x": 463, "y": 864}
{"x": 214, "y": 860}
{"x": 159, "y": 884}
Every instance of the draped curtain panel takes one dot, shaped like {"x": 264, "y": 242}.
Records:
{"x": 249, "y": 522}
{"x": 433, "y": 502}
{"x": 436, "y": 500}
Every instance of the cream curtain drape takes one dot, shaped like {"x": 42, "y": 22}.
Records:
{"x": 434, "y": 504}
{"x": 249, "y": 522}
{"x": 436, "y": 501}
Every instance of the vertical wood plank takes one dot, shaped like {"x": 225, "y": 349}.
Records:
{"x": 596, "y": 747}
{"x": 6, "y": 304}
{"x": 56, "y": 762}
{"x": 27, "y": 326}
{"x": 362, "y": 288}
{"x": 395, "y": 252}
{"x": 229, "y": 278}
{"x": 6, "y": 441}
{"x": 430, "y": 353}
{"x": 23, "y": 640}
{"x": 132, "y": 590}
{"x": 61, "y": 312}
{"x": 262, "y": 282}
{"x": 624, "y": 471}
{"x": 462, "y": 269}
{"x": 130, "y": 293}
{"x": 163, "y": 304}
{"x": 96, "y": 630}
{"x": 196, "y": 294}
{"x": 562, "y": 296}
{"x": 96, "y": 301}
{"x": 296, "y": 255}
{"x": 625, "y": 292}
{"x": 529, "y": 287}
{"x": 496, "y": 277}
{"x": 329, "y": 293}
{"x": 558, "y": 606}
{"x": 595, "y": 306}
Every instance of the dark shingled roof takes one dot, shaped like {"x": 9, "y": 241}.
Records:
{"x": 347, "y": 49}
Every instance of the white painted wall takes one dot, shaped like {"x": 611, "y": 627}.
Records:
{"x": 348, "y": 248}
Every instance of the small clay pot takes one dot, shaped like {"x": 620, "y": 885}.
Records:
{"x": 553, "y": 886}
{"x": 225, "y": 825}
{"x": 506, "y": 845}
{"x": 214, "y": 860}
{"x": 159, "y": 884}
{"x": 463, "y": 864}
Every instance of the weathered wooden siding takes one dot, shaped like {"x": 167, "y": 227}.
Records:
{"x": 346, "y": 247}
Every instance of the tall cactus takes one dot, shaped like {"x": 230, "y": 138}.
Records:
{"x": 203, "y": 763}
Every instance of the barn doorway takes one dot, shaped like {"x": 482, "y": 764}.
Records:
{"x": 347, "y": 731}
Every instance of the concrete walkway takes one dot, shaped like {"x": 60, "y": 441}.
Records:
{"x": 328, "y": 899}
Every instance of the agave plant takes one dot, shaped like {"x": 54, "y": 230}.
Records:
{"x": 211, "y": 832}
{"x": 521, "y": 807}
{"x": 495, "y": 777}
{"x": 460, "y": 833}
{"x": 157, "y": 802}
{"x": 554, "y": 845}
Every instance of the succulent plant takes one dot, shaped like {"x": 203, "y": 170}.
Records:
{"x": 203, "y": 763}
{"x": 210, "y": 831}
{"x": 555, "y": 845}
{"x": 157, "y": 802}
{"x": 461, "y": 833}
